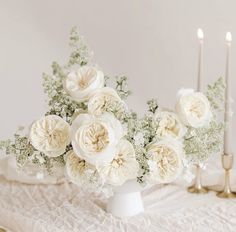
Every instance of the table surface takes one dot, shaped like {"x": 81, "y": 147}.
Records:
{"x": 64, "y": 207}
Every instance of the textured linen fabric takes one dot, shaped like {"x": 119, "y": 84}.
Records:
{"x": 64, "y": 207}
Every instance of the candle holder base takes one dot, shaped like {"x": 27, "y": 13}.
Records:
{"x": 195, "y": 189}
{"x": 197, "y": 185}
{"x": 226, "y": 194}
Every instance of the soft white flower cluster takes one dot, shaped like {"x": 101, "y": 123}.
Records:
{"x": 102, "y": 144}
{"x": 164, "y": 133}
{"x": 99, "y": 151}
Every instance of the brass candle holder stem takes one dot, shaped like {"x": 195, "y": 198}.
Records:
{"x": 197, "y": 185}
{"x": 227, "y": 163}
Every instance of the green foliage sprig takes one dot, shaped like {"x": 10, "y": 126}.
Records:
{"x": 215, "y": 94}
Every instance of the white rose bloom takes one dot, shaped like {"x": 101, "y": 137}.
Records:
{"x": 103, "y": 99}
{"x": 123, "y": 167}
{"x": 169, "y": 125}
{"x": 81, "y": 84}
{"x": 94, "y": 139}
{"x": 79, "y": 171}
{"x": 165, "y": 161}
{"x": 50, "y": 135}
{"x": 193, "y": 108}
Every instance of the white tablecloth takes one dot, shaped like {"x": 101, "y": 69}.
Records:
{"x": 62, "y": 208}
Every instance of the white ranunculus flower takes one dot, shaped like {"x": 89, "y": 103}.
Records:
{"x": 81, "y": 84}
{"x": 79, "y": 171}
{"x": 50, "y": 135}
{"x": 193, "y": 108}
{"x": 94, "y": 139}
{"x": 104, "y": 99}
{"x": 123, "y": 167}
{"x": 169, "y": 125}
{"x": 164, "y": 160}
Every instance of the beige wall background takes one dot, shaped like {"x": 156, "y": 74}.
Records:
{"x": 153, "y": 42}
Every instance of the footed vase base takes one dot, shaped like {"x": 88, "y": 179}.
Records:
{"x": 125, "y": 205}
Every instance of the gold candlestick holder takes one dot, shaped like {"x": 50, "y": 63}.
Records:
{"x": 197, "y": 185}
{"x": 227, "y": 163}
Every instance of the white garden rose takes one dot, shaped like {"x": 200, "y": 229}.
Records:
{"x": 79, "y": 171}
{"x": 123, "y": 167}
{"x": 164, "y": 160}
{"x": 169, "y": 125}
{"x": 81, "y": 84}
{"x": 193, "y": 108}
{"x": 94, "y": 139}
{"x": 105, "y": 99}
{"x": 50, "y": 135}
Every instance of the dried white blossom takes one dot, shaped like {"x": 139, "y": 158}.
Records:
{"x": 169, "y": 125}
{"x": 50, "y": 135}
{"x": 105, "y": 100}
{"x": 81, "y": 173}
{"x": 81, "y": 84}
{"x": 123, "y": 167}
{"x": 165, "y": 161}
{"x": 95, "y": 138}
{"x": 193, "y": 108}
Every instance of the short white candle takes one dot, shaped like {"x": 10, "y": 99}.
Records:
{"x": 228, "y": 110}
{"x": 200, "y": 36}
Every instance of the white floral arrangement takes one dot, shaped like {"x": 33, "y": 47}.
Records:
{"x": 91, "y": 133}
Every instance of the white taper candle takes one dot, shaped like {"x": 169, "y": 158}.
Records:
{"x": 200, "y": 36}
{"x": 228, "y": 110}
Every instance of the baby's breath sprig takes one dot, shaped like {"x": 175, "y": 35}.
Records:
{"x": 140, "y": 132}
{"x": 122, "y": 87}
{"x": 81, "y": 53}
{"x": 106, "y": 79}
{"x": 201, "y": 143}
{"x": 58, "y": 101}
{"x": 215, "y": 94}
{"x": 21, "y": 148}
{"x": 152, "y": 105}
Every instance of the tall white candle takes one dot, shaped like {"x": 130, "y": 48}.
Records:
{"x": 200, "y": 36}
{"x": 228, "y": 110}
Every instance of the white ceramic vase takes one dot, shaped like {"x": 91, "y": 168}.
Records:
{"x": 126, "y": 201}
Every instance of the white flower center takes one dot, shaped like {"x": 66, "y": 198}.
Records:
{"x": 55, "y": 137}
{"x": 166, "y": 160}
{"x": 197, "y": 108}
{"x": 52, "y": 134}
{"x": 86, "y": 78}
{"x": 95, "y": 137}
{"x": 76, "y": 165}
{"x": 104, "y": 102}
{"x": 117, "y": 162}
{"x": 168, "y": 125}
